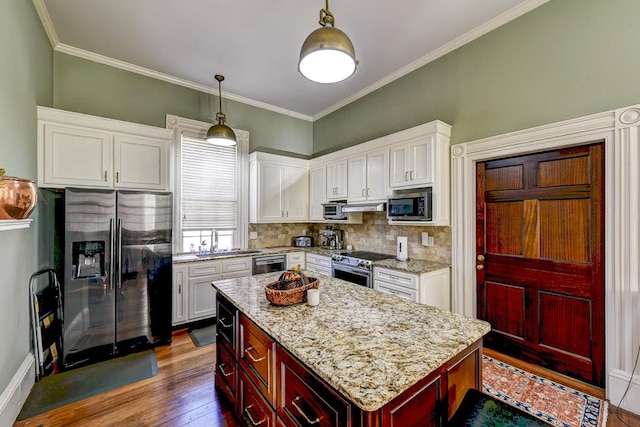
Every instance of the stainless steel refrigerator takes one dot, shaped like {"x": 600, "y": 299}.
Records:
{"x": 114, "y": 248}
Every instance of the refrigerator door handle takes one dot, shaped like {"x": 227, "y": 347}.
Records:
{"x": 111, "y": 255}
{"x": 119, "y": 246}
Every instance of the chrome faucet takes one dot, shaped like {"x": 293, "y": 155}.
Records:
{"x": 214, "y": 241}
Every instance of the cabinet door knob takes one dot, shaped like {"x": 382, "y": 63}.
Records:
{"x": 301, "y": 412}
{"x": 480, "y": 267}
{"x": 480, "y": 257}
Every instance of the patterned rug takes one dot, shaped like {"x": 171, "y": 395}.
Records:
{"x": 551, "y": 402}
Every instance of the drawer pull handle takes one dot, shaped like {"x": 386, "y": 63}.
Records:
{"x": 224, "y": 325}
{"x": 395, "y": 277}
{"x": 221, "y": 369}
{"x": 248, "y": 414}
{"x": 253, "y": 359}
{"x": 301, "y": 412}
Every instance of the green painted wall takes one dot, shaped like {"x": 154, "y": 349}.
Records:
{"x": 26, "y": 74}
{"x": 562, "y": 60}
{"x": 92, "y": 88}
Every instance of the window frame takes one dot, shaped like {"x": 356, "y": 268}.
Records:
{"x": 196, "y": 129}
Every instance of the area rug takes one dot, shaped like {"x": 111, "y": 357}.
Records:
{"x": 554, "y": 403}
{"x": 72, "y": 386}
{"x": 203, "y": 336}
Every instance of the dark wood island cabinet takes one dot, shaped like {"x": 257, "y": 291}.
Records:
{"x": 360, "y": 358}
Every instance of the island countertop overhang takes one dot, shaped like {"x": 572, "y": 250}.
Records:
{"x": 368, "y": 345}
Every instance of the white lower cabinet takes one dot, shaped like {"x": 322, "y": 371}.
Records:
{"x": 180, "y": 305}
{"x": 193, "y": 296}
{"x": 432, "y": 288}
{"x": 318, "y": 264}
{"x": 296, "y": 258}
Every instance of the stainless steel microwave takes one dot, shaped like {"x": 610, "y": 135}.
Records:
{"x": 333, "y": 211}
{"x": 411, "y": 206}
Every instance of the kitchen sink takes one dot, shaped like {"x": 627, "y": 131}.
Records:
{"x": 229, "y": 253}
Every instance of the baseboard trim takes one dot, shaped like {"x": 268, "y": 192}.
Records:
{"x": 13, "y": 397}
{"x": 618, "y": 382}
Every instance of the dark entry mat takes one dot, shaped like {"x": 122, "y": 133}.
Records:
{"x": 68, "y": 387}
{"x": 203, "y": 336}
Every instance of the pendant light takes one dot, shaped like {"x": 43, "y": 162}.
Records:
{"x": 221, "y": 134}
{"x": 327, "y": 54}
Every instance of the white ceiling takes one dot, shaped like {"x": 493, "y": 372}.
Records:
{"x": 255, "y": 43}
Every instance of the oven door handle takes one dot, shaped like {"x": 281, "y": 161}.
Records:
{"x": 350, "y": 269}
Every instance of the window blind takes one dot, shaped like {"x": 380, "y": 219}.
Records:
{"x": 209, "y": 186}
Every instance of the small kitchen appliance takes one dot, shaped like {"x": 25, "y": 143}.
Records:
{"x": 303, "y": 241}
{"x": 410, "y": 207}
{"x": 333, "y": 211}
{"x": 328, "y": 238}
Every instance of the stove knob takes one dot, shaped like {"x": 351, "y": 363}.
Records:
{"x": 362, "y": 264}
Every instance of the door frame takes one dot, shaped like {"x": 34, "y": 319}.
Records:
{"x": 620, "y": 131}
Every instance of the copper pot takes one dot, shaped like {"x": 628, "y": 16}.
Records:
{"x": 18, "y": 197}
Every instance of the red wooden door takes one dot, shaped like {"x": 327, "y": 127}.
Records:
{"x": 540, "y": 260}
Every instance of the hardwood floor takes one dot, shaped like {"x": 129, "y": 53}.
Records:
{"x": 183, "y": 394}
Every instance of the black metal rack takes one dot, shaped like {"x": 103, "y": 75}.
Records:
{"x": 47, "y": 321}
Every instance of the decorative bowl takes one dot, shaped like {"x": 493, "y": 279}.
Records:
{"x": 18, "y": 197}
{"x": 279, "y": 293}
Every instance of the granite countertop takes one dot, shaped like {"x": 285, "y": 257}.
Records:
{"x": 181, "y": 258}
{"x": 369, "y": 345}
{"x": 412, "y": 266}
{"x": 416, "y": 266}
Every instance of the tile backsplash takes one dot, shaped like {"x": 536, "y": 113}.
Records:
{"x": 374, "y": 234}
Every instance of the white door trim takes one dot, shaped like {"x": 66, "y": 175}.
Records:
{"x": 620, "y": 131}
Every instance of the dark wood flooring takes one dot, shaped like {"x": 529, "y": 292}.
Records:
{"x": 183, "y": 394}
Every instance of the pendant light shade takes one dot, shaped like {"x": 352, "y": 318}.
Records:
{"x": 221, "y": 134}
{"x": 327, "y": 54}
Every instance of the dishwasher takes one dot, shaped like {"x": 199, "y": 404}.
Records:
{"x": 268, "y": 264}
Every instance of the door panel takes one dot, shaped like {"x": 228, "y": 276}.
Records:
{"x": 540, "y": 258}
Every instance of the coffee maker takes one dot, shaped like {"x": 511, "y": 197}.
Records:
{"x": 328, "y": 238}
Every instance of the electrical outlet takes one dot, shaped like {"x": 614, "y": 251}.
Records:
{"x": 346, "y": 234}
{"x": 253, "y": 235}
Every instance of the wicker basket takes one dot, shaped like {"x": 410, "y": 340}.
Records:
{"x": 276, "y": 295}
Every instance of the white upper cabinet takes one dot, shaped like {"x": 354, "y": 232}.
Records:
{"x": 367, "y": 175}
{"x": 279, "y": 188}
{"x": 87, "y": 151}
{"x": 337, "y": 180}
{"x": 412, "y": 163}
{"x": 317, "y": 194}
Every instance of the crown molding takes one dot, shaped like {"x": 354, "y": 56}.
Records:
{"x": 491, "y": 25}
{"x": 91, "y": 56}
{"x": 498, "y": 21}
{"x": 43, "y": 13}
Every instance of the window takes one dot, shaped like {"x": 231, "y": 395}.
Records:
{"x": 210, "y": 187}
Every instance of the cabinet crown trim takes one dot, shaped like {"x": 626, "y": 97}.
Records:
{"x": 102, "y": 123}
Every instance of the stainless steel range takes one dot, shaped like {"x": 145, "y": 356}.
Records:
{"x": 356, "y": 267}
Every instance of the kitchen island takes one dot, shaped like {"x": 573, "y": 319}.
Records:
{"x": 360, "y": 357}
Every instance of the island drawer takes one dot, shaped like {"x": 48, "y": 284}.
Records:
{"x": 226, "y": 377}
{"x": 253, "y": 409}
{"x": 303, "y": 399}
{"x": 257, "y": 356}
{"x": 226, "y": 323}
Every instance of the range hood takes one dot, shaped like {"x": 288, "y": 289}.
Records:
{"x": 364, "y": 207}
